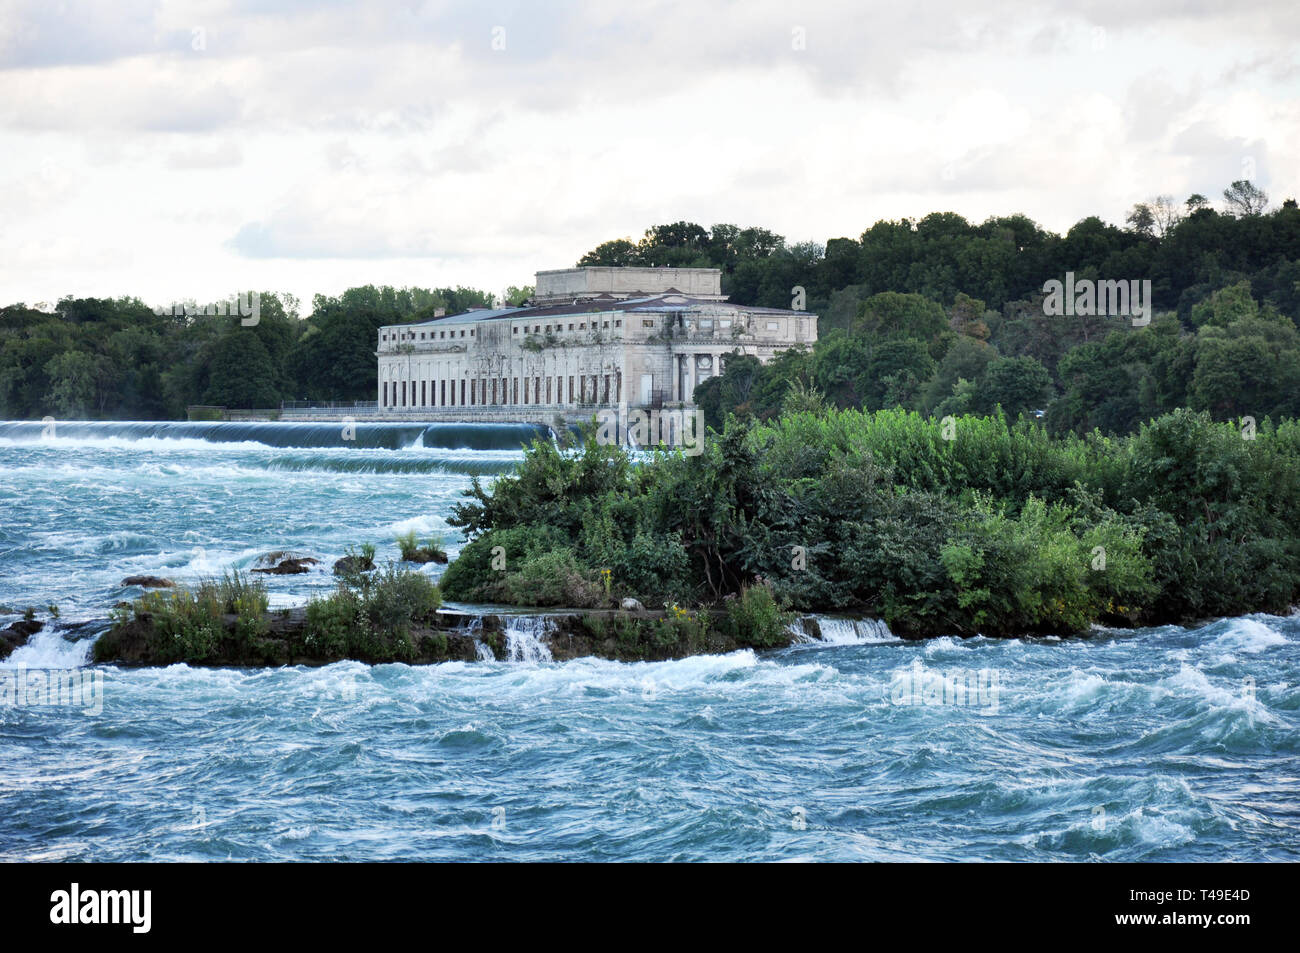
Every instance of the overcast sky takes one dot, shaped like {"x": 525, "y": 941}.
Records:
{"x": 176, "y": 150}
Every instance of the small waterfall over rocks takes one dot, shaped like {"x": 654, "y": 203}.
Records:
{"x": 841, "y": 631}
{"x": 525, "y": 638}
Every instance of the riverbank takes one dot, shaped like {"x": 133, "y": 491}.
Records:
{"x": 286, "y": 637}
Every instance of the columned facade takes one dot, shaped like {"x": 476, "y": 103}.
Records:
{"x": 643, "y": 346}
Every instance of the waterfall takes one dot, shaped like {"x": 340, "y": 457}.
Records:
{"x": 841, "y": 631}
{"x": 525, "y": 638}
{"x": 481, "y": 649}
{"x": 361, "y": 435}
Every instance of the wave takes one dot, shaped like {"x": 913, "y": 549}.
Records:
{"x": 165, "y": 435}
{"x": 49, "y": 649}
{"x": 1250, "y": 636}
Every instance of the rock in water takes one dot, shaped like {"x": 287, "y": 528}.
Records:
{"x": 290, "y": 567}
{"x": 149, "y": 582}
{"x": 424, "y": 554}
{"x": 353, "y": 564}
{"x": 17, "y": 634}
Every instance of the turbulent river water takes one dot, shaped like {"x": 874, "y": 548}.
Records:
{"x": 1156, "y": 744}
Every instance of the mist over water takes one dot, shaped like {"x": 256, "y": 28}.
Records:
{"x": 1159, "y": 744}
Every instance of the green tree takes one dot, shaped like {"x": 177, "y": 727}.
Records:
{"x": 242, "y": 374}
{"x": 1018, "y": 384}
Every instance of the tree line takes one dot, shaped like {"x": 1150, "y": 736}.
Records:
{"x": 120, "y": 359}
{"x": 943, "y": 316}
{"x": 937, "y": 315}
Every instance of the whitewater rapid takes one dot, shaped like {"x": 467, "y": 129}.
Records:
{"x": 1158, "y": 744}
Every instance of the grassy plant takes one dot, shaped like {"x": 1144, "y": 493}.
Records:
{"x": 369, "y": 616}
{"x": 409, "y": 545}
{"x": 756, "y": 618}
{"x": 190, "y": 625}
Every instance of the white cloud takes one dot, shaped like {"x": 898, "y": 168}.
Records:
{"x": 178, "y": 149}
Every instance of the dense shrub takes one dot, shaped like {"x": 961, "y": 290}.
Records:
{"x": 972, "y": 524}
{"x": 188, "y": 625}
{"x": 369, "y": 616}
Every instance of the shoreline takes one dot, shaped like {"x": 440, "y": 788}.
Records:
{"x": 459, "y": 635}
{"x": 467, "y": 634}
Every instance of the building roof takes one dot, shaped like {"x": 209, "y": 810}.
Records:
{"x": 669, "y": 301}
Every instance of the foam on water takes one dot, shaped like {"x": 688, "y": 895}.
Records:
{"x": 48, "y": 649}
{"x": 1250, "y": 635}
{"x": 1156, "y": 744}
{"x": 526, "y": 638}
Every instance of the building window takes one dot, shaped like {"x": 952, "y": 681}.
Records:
{"x": 706, "y": 322}
{"x": 514, "y": 330}
{"x": 571, "y": 400}
{"x": 422, "y": 395}
{"x": 647, "y": 322}
{"x": 570, "y": 325}
{"x": 385, "y": 393}
{"x": 462, "y": 393}
{"x": 606, "y": 389}
{"x": 618, "y": 323}
{"x": 403, "y": 393}
{"x": 514, "y": 391}
{"x": 582, "y": 326}
{"x": 724, "y": 322}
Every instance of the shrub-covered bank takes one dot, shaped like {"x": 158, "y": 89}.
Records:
{"x": 982, "y": 527}
{"x": 163, "y": 630}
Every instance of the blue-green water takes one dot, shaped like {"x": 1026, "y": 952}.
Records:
{"x": 1160, "y": 744}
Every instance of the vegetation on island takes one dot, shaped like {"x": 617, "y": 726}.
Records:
{"x": 992, "y": 526}
{"x": 413, "y": 552}
{"x": 369, "y": 617}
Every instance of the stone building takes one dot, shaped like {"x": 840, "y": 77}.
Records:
{"x": 589, "y": 338}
